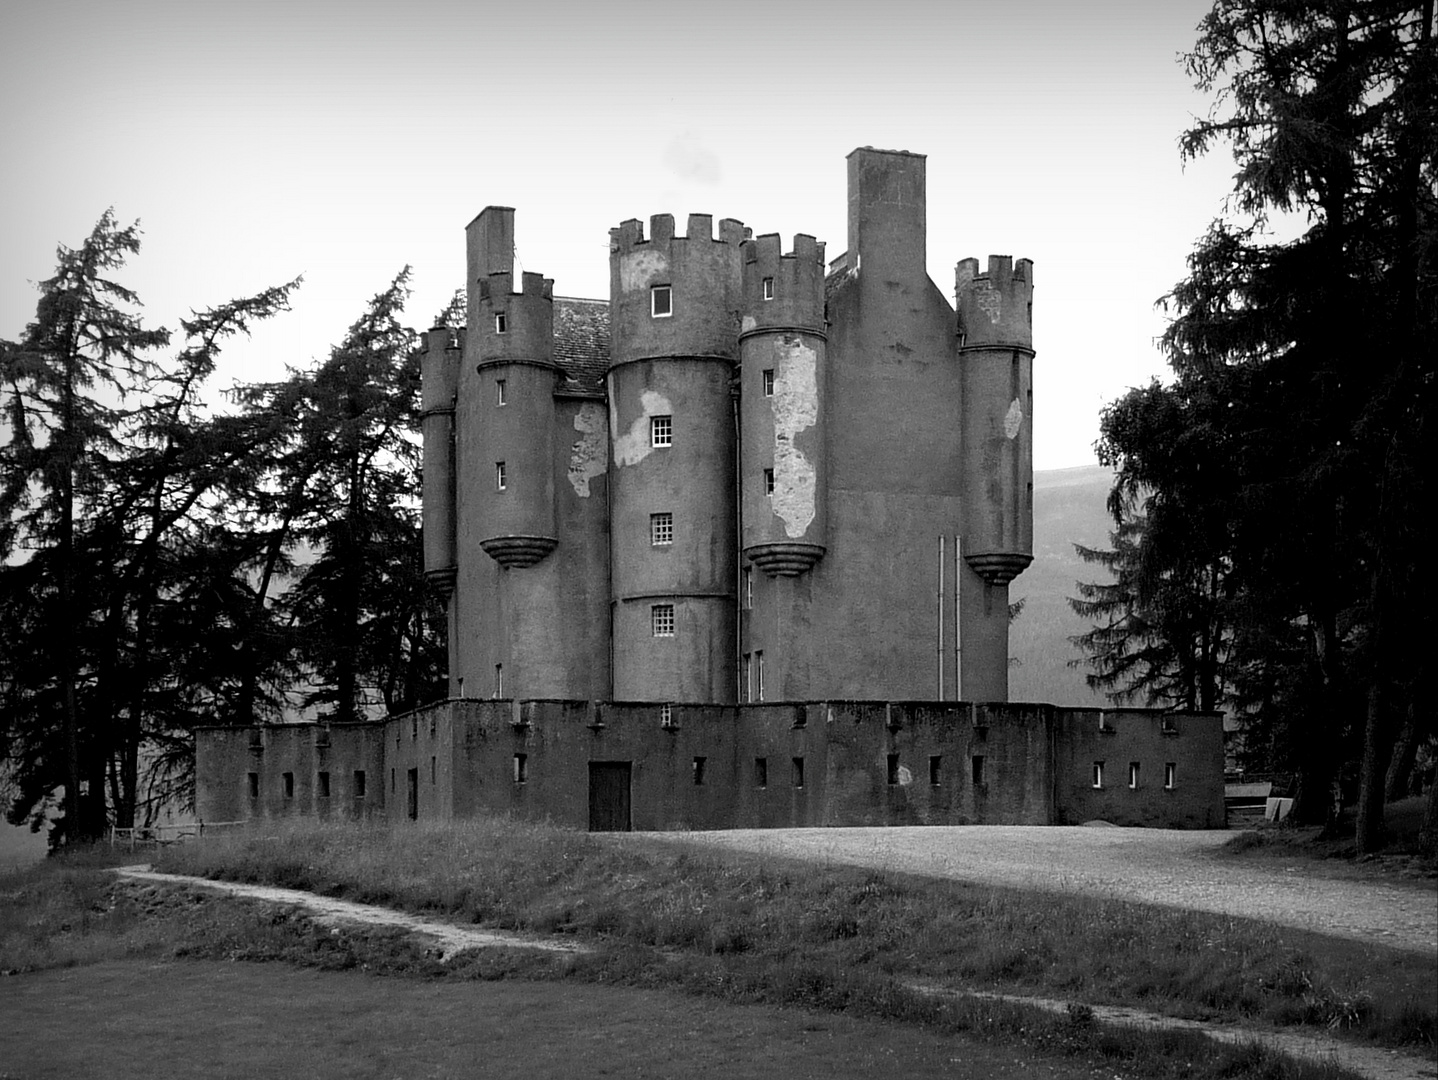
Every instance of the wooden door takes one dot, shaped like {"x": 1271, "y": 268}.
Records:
{"x": 609, "y": 796}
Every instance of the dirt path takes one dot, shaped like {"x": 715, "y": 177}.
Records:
{"x": 1155, "y": 866}
{"x": 1376, "y": 1063}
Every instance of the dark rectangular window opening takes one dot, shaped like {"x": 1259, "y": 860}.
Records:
{"x": 521, "y": 768}
{"x": 359, "y": 783}
{"x": 391, "y": 781}
{"x": 661, "y": 301}
{"x": 761, "y": 772}
{"x": 501, "y": 322}
{"x": 768, "y": 481}
{"x": 768, "y": 378}
{"x": 935, "y": 763}
{"x": 289, "y": 781}
{"x": 976, "y": 769}
{"x": 433, "y": 769}
{"x": 798, "y": 772}
{"x": 893, "y": 768}
{"x": 699, "y": 772}
{"x": 254, "y": 783}
{"x": 1133, "y": 774}
{"x": 322, "y": 784}
{"x": 1170, "y": 774}
{"x": 768, "y": 288}
{"x": 1098, "y": 774}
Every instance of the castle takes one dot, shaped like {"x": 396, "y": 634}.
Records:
{"x": 747, "y": 478}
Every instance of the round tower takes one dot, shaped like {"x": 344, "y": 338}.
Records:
{"x": 439, "y": 383}
{"x": 782, "y": 346}
{"x": 509, "y": 382}
{"x": 674, "y": 311}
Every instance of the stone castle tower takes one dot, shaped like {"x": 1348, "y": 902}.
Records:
{"x": 746, "y": 476}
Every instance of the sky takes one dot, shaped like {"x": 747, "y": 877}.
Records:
{"x": 259, "y": 141}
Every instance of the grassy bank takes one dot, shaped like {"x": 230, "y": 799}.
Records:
{"x": 730, "y": 916}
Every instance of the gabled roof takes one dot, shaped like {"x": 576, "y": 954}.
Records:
{"x": 581, "y": 345}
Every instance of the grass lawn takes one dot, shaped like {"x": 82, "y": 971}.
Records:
{"x": 143, "y": 1019}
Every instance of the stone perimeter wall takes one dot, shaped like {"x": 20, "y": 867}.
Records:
{"x": 772, "y": 765}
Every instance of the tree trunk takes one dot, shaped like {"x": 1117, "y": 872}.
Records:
{"x": 1400, "y": 768}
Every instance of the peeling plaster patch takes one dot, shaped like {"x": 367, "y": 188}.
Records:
{"x": 796, "y": 408}
{"x": 589, "y": 456}
{"x": 639, "y": 268}
{"x": 633, "y": 446}
{"x": 1013, "y": 419}
{"x": 748, "y": 324}
{"x": 905, "y": 776}
{"x": 989, "y": 300}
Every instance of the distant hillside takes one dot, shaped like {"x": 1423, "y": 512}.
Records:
{"x": 1068, "y": 509}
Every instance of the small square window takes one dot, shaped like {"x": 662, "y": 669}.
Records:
{"x": 521, "y": 768}
{"x": 1133, "y": 774}
{"x": 322, "y": 785}
{"x": 768, "y": 288}
{"x": 761, "y": 772}
{"x": 893, "y": 768}
{"x": 936, "y": 762}
{"x": 661, "y": 620}
{"x": 501, "y": 322}
{"x": 359, "y": 783}
{"x": 699, "y": 772}
{"x": 289, "y": 782}
{"x": 499, "y": 392}
{"x": 666, "y": 715}
{"x": 661, "y": 529}
{"x": 798, "y": 764}
{"x": 768, "y": 376}
{"x": 1098, "y": 774}
{"x": 661, "y": 301}
{"x": 1170, "y": 774}
{"x": 661, "y": 431}
{"x": 254, "y": 784}
{"x": 501, "y": 478}
{"x": 768, "y": 481}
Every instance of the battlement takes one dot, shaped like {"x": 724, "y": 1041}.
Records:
{"x": 995, "y": 308}
{"x": 783, "y": 290}
{"x": 628, "y": 235}
{"x": 501, "y": 283}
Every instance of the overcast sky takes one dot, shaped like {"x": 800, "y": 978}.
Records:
{"x": 257, "y": 141}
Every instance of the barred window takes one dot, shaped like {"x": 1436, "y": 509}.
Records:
{"x": 661, "y": 529}
{"x": 661, "y": 431}
{"x": 661, "y": 620}
{"x": 666, "y": 715}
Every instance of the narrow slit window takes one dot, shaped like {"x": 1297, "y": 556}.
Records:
{"x": 936, "y": 762}
{"x": 433, "y": 769}
{"x": 798, "y": 763}
{"x": 501, "y": 478}
{"x": 768, "y": 288}
{"x": 768, "y": 376}
{"x": 976, "y": 770}
{"x": 500, "y": 392}
{"x": 661, "y": 529}
{"x": 759, "y": 672}
{"x": 661, "y": 431}
{"x": 661, "y": 301}
{"x": 1170, "y": 775}
{"x": 521, "y": 768}
{"x": 1133, "y": 774}
{"x": 661, "y": 620}
{"x": 1098, "y": 774}
{"x": 768, "y": 481}
{"x": 254, "y": 785}
{"x": 748, "y": 676}
{"x": 893, "y": 768}
{"x": 499, "y": 680}
{"x": 391, "y": 781}
{"x": 359, "y": 783}
{"x": 289, "y": 782}
{"x": 699, "y": 772}
{"x": 748, "y": 587}
{"x": 322, "y": 785}
{"x": 501, "y": 322}
{"x": 761, "y": 772}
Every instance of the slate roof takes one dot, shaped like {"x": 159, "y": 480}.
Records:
{"x": 581, "y": 345}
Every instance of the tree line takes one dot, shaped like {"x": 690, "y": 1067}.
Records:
{"x": 165, "y": 564}
{"x": 1272, "y": 548}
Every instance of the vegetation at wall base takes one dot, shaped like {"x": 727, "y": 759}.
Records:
{"x": 647, "y": 893}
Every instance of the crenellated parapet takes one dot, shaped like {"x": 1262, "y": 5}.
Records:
{"x": 783, "y": 291}
{"x": 514, "y": 325}
{"x": 995, "y": 308}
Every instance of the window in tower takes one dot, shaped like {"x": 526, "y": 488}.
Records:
{"x": 1098, "y": 774}
{"x": 661, "y": 620}
{"x": 1133, "y": 774}
{"x": 768, "y": 288}
{"x": 501, "y": 322}
{"x": 1170, "y": 775}
{"x": 661, "y": 301}
{"x": 499, "y": 394}
{"x": 768, "y": 382}
{"x": 759, "y": 672}
{"x": 661, "y": 529}
{"x": 768, "y": 481}
{"x": 748, "y": 587}
{"x": 501, "y": 478}
{"x": 661, "y": 431}
{"x": 748, "y": 677}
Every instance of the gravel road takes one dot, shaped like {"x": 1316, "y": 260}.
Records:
{"x": 1157, "y": 866}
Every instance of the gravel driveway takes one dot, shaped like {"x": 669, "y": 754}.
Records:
{"x": 1158, "y": 866}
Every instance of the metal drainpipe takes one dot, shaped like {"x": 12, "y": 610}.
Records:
{"x": 739, "y": 538}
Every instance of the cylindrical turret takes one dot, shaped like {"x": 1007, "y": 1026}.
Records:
{"x": 996, "y": 356}
{"x": 783, "y": 353}
{"x": 439, "y": 381}
{"x": 674, "y": 321}
{"x": 511, "y": 397}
